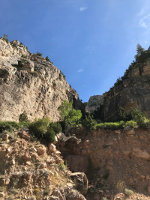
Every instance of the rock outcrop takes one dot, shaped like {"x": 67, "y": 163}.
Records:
{"x": 29, "y": 82}
{"x": 112, "y": 160}
{"x": 131, "y": 91}
{"x": 94, "y": 103}
{"x": 33, "y": 171}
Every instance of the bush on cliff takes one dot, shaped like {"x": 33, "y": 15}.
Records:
{"x": 43, "y": 129}
{"x": 23, "y": 117}
{"x": 111, "y": 125}
{"x": 69, "y": 115}
{"x": 89, "y": 123}
{"x": 8, "y": 126}
{"x": 140, "y": 118}
{"x": 117, "y": 125}
{"x": 39, "y": 127}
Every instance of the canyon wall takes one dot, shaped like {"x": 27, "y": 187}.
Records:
{"x": 29, "y": 82}
{"x": 111, "y": 159}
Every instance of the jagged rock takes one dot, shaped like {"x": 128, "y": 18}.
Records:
{"x": 94, "y": 103}
{"x": 30, "y": 83}
{"x": 25, "y": 135}
{"x": 133, "y": 91}
{"x": 54, "y": 198}
{"x": 41, "y": 150}
{"x": 29, "y": 171}
{"x": 80, "y": 181}
{"x": 72, "y": 194}
{"x": 52, "y": 148}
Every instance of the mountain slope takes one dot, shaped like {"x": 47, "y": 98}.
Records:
{"x": 31, "y": 83}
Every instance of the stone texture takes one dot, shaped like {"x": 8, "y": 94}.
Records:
{"x": 94, "y": 103}
{"x": 29, "y": 171}
{"x": 81, "y": 181}
{"x": 30, "y": 83}
{"x": 129, "y": 92}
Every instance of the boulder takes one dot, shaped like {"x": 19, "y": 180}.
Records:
{"x": 81, "y": 181}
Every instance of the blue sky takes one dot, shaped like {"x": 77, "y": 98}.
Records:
{"x": 91, "y": 41}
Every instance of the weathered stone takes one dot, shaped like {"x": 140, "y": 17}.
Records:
{"x": 41, "y": 150}
{"x": 52, "y": 148}
{"x": 78, "y": 163}
{"x": 141, "y": 154}
{"x": 33, "y": 85}
{"x": 25, "y": 135}
{"x": 72, "y": 194}
{"x": 81, "y": 182}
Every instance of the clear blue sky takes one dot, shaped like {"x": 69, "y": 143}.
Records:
{"x": 91, "y": 41}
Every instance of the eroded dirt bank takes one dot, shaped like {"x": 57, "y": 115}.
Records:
{"x": 113, "y": 160}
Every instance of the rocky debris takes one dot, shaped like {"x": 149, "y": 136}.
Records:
{"x": 81, "y": 181}
{"x": 134, "y": 196}
{"x": 30, "y": 83}
{"x": 28, "y": 170}
{"x": 25, "y": 135}
{"x": 41, "y": 150}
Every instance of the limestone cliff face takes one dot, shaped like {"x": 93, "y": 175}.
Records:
{"x": 94, "y": 103}
{"x": 131, "y": 91}
{"x": 28, "y": 82}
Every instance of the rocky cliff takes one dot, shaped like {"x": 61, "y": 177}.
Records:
{"x": 31, "y": 83}
{"x": 94, "y": 103}
{"x": 33, "y": 171}
{"x": 129, "y": 92}
{"x": 114, "y": 161}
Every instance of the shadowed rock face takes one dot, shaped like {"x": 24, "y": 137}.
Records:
{"x": 30, "y": 83}
{"x": 133, "y": 91}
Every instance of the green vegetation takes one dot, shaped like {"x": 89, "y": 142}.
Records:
{"x": 23, "y": 117}
{"x": 117, "y": 125}
{"x": 53, "y": 129}
{"x": 8, "y": 126}
{"x": 39, "y": 127}
{"x": 89, "y": 123}
{"x": 47, "y": 58}
{"x": 139, "y": 50}
{"x": 39, "y": 54}
{"x": 5, "y": 37}
{"x": 70, "y": 116}
{"x": 43, "y": 129}
{"x": 11, "y": 126}
{"x": 140, "y": 118}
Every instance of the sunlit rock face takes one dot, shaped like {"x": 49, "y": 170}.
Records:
{"x": 94, "y": 103}
{"x": 28, "y": 82}
{"x": 132, "y": 91}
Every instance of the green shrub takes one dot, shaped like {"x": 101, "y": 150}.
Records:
{"x": 131, "y": 124}
{"x": 140, "y": 118}
{"x": 38, "y": 54}
{"x": 47, "y": 58}
{"x": 111, "y": 125}
{"x": 89, "y": 123}
{"x": 56, "y": 126}
{"x": 8, "y": 126}
{"x": 39, "y": 127}
{"x": 5, "y": 37}
{"x": 23, "y": 117}
{"x": 50, "y": 134}
{"x": 69, "y": 115}
{"x": 52, "y": 130}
